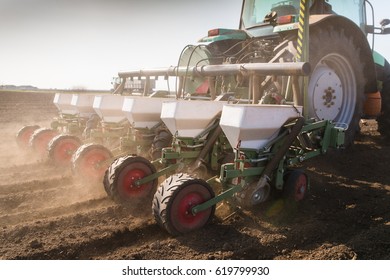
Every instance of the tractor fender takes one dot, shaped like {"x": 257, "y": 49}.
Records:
{"x": 360, "y": 40}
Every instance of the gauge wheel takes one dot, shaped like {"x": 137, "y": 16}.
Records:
{"x": 252, "y": 195}
{"x": 175, "y": 198}
{"x": 40, "y": 140}
{"x": 24, "y": 134}
{"x": 62, "y": 147}
{"x": 295, "y": 186}
{"x": 90, "y": 162}
{"x": 121, "y": 176}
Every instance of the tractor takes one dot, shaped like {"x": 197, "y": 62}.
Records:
{"x": 342, "y": 86}
{"x": 297, "y": 77}
{"x": 347, "y": 81}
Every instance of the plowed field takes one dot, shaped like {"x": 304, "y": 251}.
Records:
{"x": 46, "y": 214}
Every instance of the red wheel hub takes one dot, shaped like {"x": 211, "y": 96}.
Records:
{"x": 185, "y": 206}
{"x": 95, "y": 164}
{"x": 64, "y": 151}
{"x": 300, "y": 188}
{"x": 25, "y": 137}
{"x": 42, "y": 142}
{"x": 128, "y": 186}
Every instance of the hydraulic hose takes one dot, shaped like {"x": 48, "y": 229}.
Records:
{"x": 273, "y": 163}
{"x": 206, "y": 149}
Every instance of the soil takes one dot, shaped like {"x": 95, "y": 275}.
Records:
{"x": 46, "y": 214}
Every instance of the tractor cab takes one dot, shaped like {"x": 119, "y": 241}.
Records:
{"x": 264, "y": 17}
{"x": 268, "y": 18}
{"x": 258, "y": 15}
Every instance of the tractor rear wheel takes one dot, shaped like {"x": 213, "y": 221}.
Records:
{"x": 120, "y": 177}
{"x": 90, "y": 161}
{"x": 62, "y": 147}
{"x": 24, "y": 134}
{"x": 175, "y": 198}
{"x": 336, "y": 90}
{"x": 40, "y": 139}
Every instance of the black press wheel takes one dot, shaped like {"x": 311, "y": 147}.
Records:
{"x": 175, "y": 198}
{"x": 119, "y": 179}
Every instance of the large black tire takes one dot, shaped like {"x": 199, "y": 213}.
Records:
{"x": 174, "y": 199}
{"x": 90, "y": 162}
{"x": 336, "y": 85}
{"x": 383, "y": 120}
{"x": 40, "y": 139}
{"x": 162, "y": 140}
{"x": 120, "y": 177}
{"x": 61, "y": 149}
{"x": 24, "y": 134}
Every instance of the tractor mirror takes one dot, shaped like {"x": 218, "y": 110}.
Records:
{"x": 384, "y": 22}
{"x": 386, "y": 31}
{"x": 370, "y": 29}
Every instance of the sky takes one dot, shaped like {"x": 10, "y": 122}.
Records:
{"x": 74, "y": 44}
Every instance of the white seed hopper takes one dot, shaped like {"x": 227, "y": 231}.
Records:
{"x": 109, "y": 108}
{"x": 83, "y": 104}
{"x": 143, "y": 112}
{"x": 63, "y": 103}
{"x": 188, "y": 118}
{"x": 255, "y": 125}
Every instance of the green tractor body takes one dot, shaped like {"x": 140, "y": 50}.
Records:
{"x": 275, "y": 21}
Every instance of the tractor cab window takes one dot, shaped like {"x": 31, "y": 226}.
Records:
{"x": 258, "y": 12}
{"x": 352, "y": 9}
{"x": 255, "y": 11}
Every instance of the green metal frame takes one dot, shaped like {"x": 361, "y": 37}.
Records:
{"x": 249, "y": 164}
{"x": 68, "y": 123}
{"x": 184, "y": 151}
